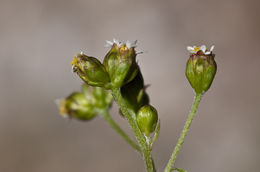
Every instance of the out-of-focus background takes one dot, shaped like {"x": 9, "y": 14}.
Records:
{"x": 38, "y": 39}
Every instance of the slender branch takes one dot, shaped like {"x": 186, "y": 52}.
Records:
{"x": 105, "y": 114}
{"x": 130, "y": 116}
{"x": 184, "y": 133}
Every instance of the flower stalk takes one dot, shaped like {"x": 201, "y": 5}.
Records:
{"x": 177, "y": 148}
{"x": 104, "y": 113}
{"x": 130, "y": 116}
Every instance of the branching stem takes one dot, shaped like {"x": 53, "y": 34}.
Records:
{"x": 131, "y": 118}
{"x": 105, "y": 114}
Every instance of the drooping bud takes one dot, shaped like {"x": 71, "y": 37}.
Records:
{"x": 85, "y": 105}
{"x": 201, "y": 68}
{"x": 146, "y": 119}
{"x": 77, "y": 106}
{"x": 120, "y": 63}
{"x": 90, "y": 70}
{"x": 134, "y": 93}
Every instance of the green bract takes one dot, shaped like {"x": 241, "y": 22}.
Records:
{"x": 120, "y": 63}
{"x": 146, "y": 119}
{"x": 90, "y": 70}
{"x": 200, "y": 71}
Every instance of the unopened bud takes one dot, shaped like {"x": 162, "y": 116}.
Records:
{"x": 120, "y": 63}
{"x": 146, "y": 119}
{"x": 90, "y": 70}
{"x": 201, "y": 68}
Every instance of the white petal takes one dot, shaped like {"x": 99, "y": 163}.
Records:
{"x": 81, "y": 53}
{"x": 189, "y": 48}
{"x": 117, "y": 42}
{"x": 207, "y": 53}
{"x": 212, "y": 48}
{"x": 203, "y": 48}
{"x": 128, "y": 44}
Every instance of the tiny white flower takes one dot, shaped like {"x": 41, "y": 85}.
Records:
{"x": 117, "y": 42}
{"x": 193, "y": 49}
{"x": 126, "y": 45}
{"x": 189, "y": 48}
{"x": 203, "y": 48}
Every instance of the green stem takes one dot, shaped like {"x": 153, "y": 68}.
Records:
{"x": 130, "y": 116}
{"x": 105, "y": 114}
{"x": 184, "y": 133}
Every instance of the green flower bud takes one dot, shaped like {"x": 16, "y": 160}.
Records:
{"x": 90, "y": 70}
{"x": 201, "y": 68}
{"x": 146, "y": 119}
{"x": 134, "y": 93}
{"x": 85, "y": 105}
{"x": 120, "y": 63}
{"x": 77, "y": 106}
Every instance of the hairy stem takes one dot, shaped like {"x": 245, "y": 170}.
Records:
{"x": 177, "y": 148}
{"x": 130, "y": 116}
{"x": 105, "y": 114}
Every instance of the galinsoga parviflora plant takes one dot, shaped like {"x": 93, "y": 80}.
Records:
{"x": 119, "y": 79}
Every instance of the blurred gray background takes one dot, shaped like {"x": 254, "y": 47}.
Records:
{"x": 38, "y": 39}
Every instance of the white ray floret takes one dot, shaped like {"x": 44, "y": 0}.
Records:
{"x": 131, "y": 44}
{"x": 127, "y": 44}
{"x": 203, "y": 48}
{"x": 119, "y": 44}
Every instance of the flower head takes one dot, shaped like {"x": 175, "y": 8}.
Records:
{"x": 202, "y": 49}
{"x": 90, "y": 70}
{"x": 84, "y": 105}
{"x": 125, "y": 45}
{"x": 120, "y": 62}
{"x": 201, "y": 68}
